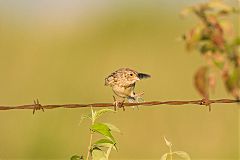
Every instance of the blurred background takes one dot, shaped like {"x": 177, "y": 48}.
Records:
{"x": 61, "y": 51}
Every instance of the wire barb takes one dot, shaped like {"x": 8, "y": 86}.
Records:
{"x": 206, "y": 102}
{"x": 37, "y": 106}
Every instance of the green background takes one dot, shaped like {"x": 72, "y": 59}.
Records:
{"x": 61, "y": 51}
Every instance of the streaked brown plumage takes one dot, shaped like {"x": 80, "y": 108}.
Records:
{"x": 123, "y": 82}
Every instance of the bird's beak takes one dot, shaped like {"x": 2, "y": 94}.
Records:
{"x": 137, "y": 79}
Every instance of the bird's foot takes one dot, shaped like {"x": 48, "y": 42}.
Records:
{"x": 136, "y": 98}
{"x": 37, "y": 106}
{"x": 118, "y": 104}
{"x": 132, "y": 100}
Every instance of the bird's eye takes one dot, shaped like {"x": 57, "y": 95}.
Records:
{"x": 131, "y": 74}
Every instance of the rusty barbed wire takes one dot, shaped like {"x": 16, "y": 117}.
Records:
{"x": 37, "y": 106}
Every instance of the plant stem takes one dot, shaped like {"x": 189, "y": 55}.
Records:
{"x": 170, "y": 149}
{"x": 91, "y": 135}
{"x": 89, "y": 146}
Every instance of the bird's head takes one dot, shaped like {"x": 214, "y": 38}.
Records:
{"x": 133, "y": 76}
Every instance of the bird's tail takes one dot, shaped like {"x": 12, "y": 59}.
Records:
{"x": 143, "y": 75}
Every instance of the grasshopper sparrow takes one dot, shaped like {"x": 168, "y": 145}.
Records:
{"x": 123, "y": 82}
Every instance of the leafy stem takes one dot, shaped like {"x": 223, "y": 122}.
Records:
{"x": 102, "y": 148}
{"x": 170, "y": 154}
{"x": 91, "y": 137}
{"x": 90, "y": 144}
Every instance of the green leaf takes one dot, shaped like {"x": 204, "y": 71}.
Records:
{"x": 164, "y": 157}
{"x": 112, "y": 127}
{"x": 206, "y": 46}
{"x": 236, "y": 41}
{"x": 76, "y": 157}
{"x": 103, "y": 130}
{"x": 233, "y": 80}
{"x": 197, "y": 33}
{"x": 105, "y": 143}
{"x": 182, "y": 154}
{"x": 98, "y": 155}
{"x": 220, "y": 65}
{"x": 99, "y": 113}
{"x": 94, "y": 147}
{"x": 236, "y": 76}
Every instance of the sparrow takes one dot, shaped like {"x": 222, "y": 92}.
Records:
{"x": 123, "y": 82}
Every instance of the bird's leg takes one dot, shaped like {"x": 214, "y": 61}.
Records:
{"x": 121, "y": 105}
{"x": 114, "y": 103}
{"x": 118, "y": 104}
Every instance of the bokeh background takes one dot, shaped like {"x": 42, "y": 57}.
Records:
{"x": 61, "y": 51}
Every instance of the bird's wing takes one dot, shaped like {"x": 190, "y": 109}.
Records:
{"x": 111, "y": 79}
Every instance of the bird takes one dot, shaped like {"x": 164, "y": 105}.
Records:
{"x": 123, "y": 82}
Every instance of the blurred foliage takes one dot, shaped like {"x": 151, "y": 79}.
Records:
{"x": 214, "y": 37}
{"x": 76, "y": 157}
{"x": 102, "y": 148}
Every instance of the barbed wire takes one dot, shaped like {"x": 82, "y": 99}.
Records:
{"x": 37, "y": 106}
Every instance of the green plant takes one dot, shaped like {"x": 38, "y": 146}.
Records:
{"x": 101, "y": 149}
{"x": 171, "y": 154}
{"x": 217, "y": 41}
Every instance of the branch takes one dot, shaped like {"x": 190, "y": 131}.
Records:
{"x": 36, "y": 105}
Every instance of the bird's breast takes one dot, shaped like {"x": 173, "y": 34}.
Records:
{"x": 123, "y": 91}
